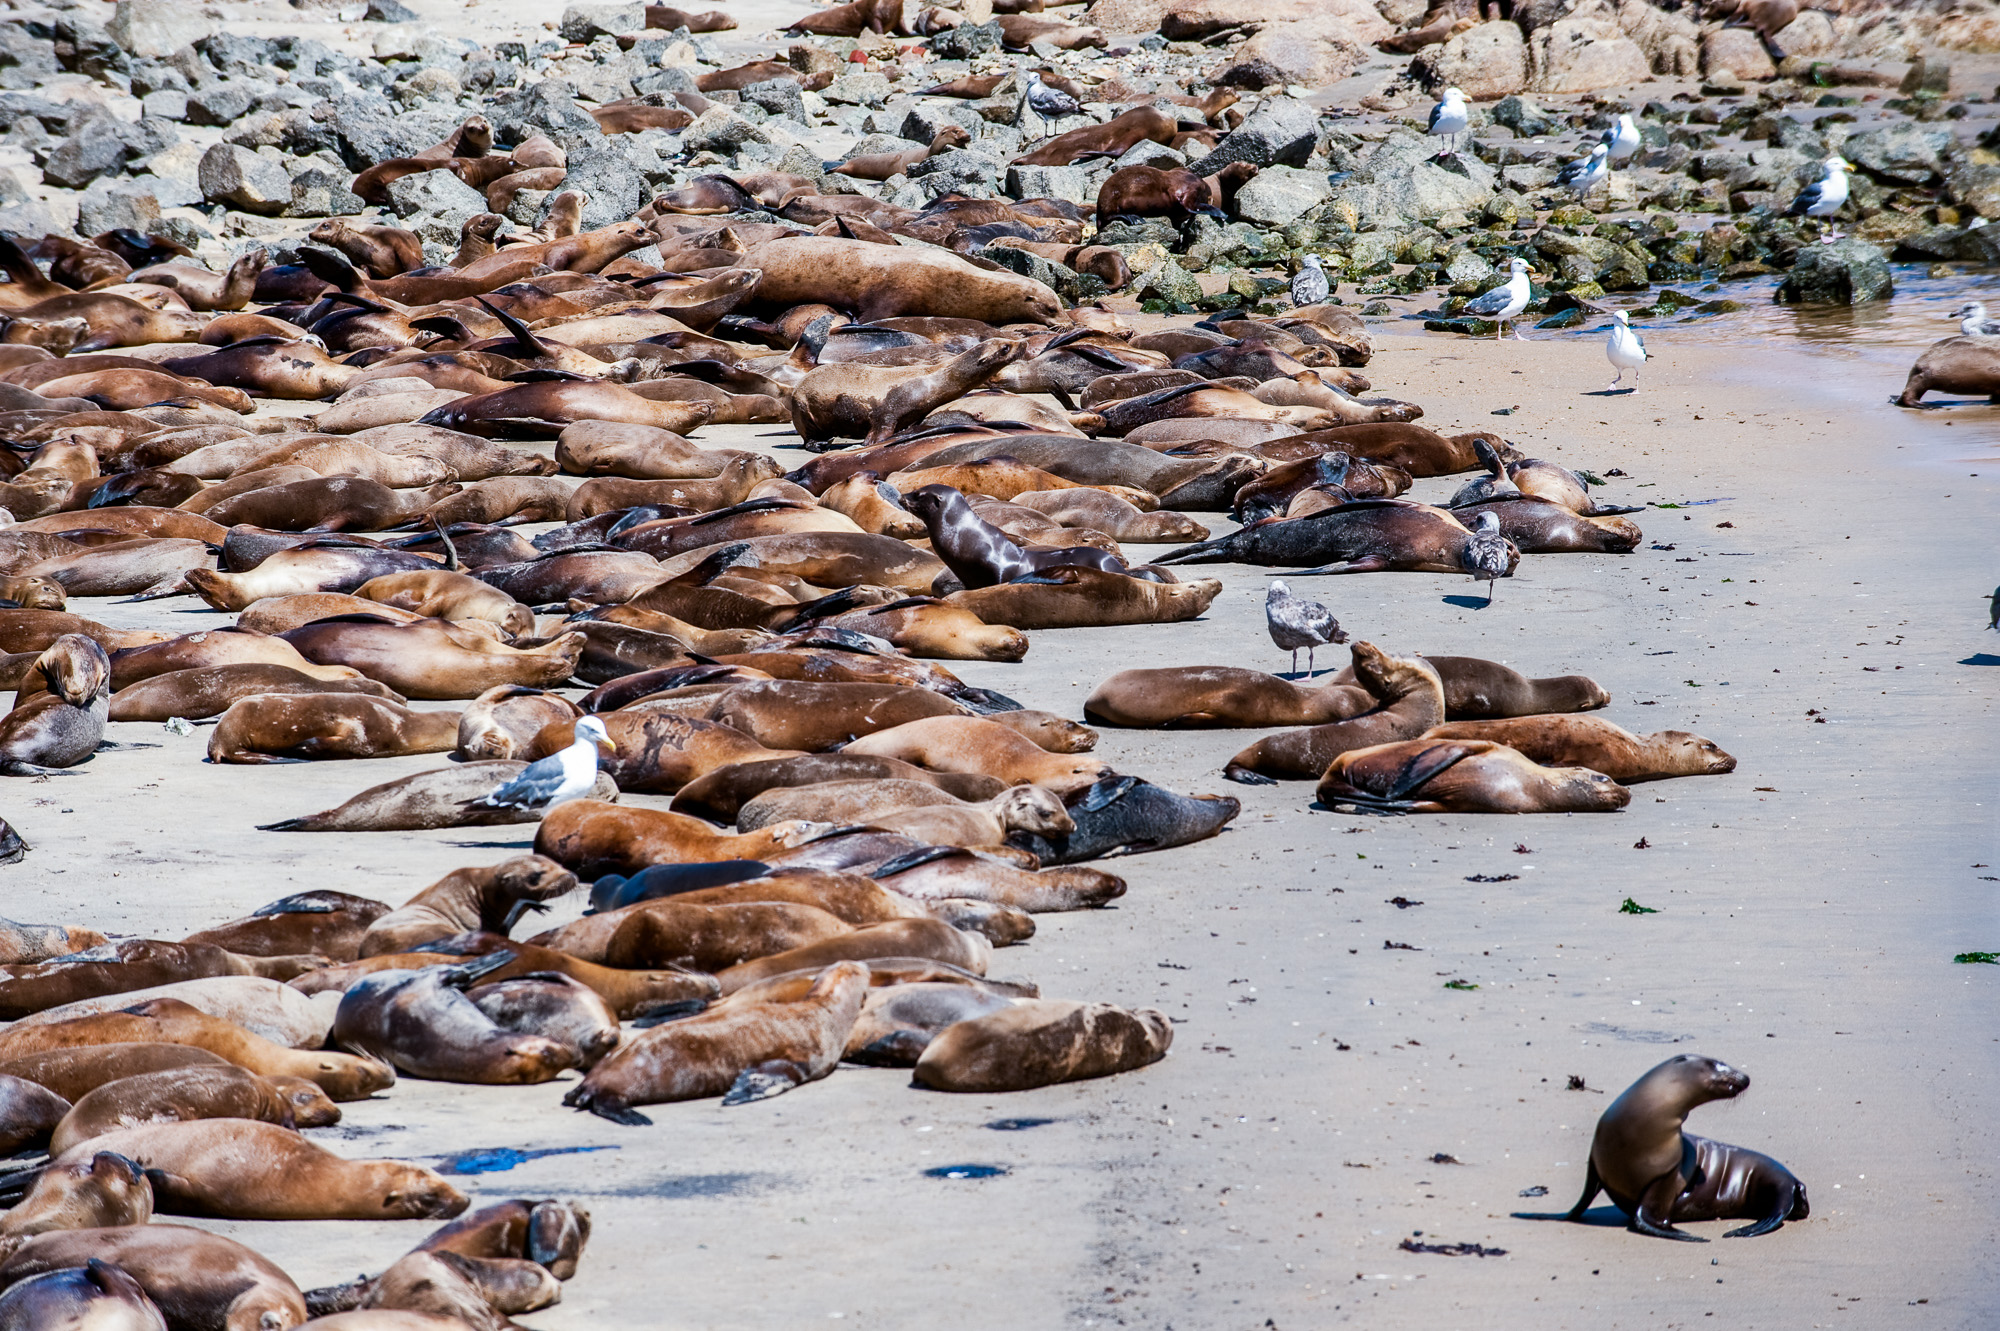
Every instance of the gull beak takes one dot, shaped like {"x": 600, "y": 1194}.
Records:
{"x": 606, "y": 746}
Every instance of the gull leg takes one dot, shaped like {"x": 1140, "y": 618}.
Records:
{"x": 1309, "y": 661}
{"x": 1295, "y": 660}
{"x": 1489, "y": 591}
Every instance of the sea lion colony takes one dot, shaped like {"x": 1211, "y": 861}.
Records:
{"x": 757, "y": 646}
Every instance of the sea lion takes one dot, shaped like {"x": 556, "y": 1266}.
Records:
{"x": 741, "y": 1053}
{"x": 823, "y": 559}
{"x": 722, "y": 793}
{"x": 665, "y": 880}
{"x": 126, "y": 966}
{"x": 1122, "y": 815}
{"x": 143, "y": 565}
{"x": 844, "y": 802}
{"x": 898, "y": 1022}
{"x": 76, "y": 1072}
{"x": 877, "y": 282}
{"x": 1657, "y": 1173}
{"x": 648, "y": 453}
{"x": 1222, "y": 696}
{"x": 1201, "y": 483}
{"x": 441, "y": 798}
{"x": 185, "y": 1094}
{"x": 1461, "y": 776}
{"x": 63, "y": 727}
{"x": 1477, "y": 690}
{"x": 304, "y": 571}
{"x": 542, "y": 410}
{"x": 90, "y": 1190}
{"x": 503, "y": 721}
{"x": 550, "y": 1233}
{"x": 262, "y": 1005}
{"x": 241, "y": 1169}
{"x": 277, "y": 727}
{"x": 1149, "y": 191}
{"x": 421, "y": 1022}
{"x": 1587, "y": 741}
{"x": 975, "y": 744}
{"x": 507, "y": 500}
{"x": 1113, "y": 138}
{"x": 878, "y": 401}
{"x": 29, "y": 1113}
{"x": 329, "y": 503}
{"x": 207, "y": 691}
{"x": 925, "y": 938}
{"x": 433, "y": 658}
{"x": 554, "y": 1006}
{"x": 924, "y": 626}
{"x": 97, "y": 1295}
{"x": 1409, "y": 698}
{"x": 43, "y": 942}
{"x": 198, "y": 1279}
{"x": 1363, "y": 536}
{"x": 1100, "y": 510}
{"x": 1413, "y": 448}
{"x": 705, "y": 936}
{"x": 1040, "y": 1042}
{"x": 981, "y": 555}
{"x": 592, "y": 838}
{"x": 458, "y": 597}
{"x": 487, "y": 898}
{"x": 1070, "y": 596}
{"x": 1538, "y": 527}
{"x": 330, "y": 924}
{"x": 659, "y": 752}
{"x": 1967, "y": 365}
{"x": 435, "y": 1291}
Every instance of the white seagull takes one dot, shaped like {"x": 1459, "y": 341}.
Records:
{"x": 567, "y": 775}
{"x": 1449, "y": 119}
{"x": 1972, "y": 321}
{"x": 1622, "y": 140}
{"x": 1296, "y": 622}
{"x": 1586, "y": 173}
{"x": 1503, "y": 302}
{"x": 1624, "y": 349}
{"x": 1825, "y": 196}
{"x": 1310, "y": 285}
{"x": 1049, "y": 103}
{"x": 1486, "y": 552}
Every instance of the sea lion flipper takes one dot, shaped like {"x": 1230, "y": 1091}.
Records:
{"x": 772, "y": 1077}
{"x": 1592, "y": 1185}
{"x": 1653, "y": 1213}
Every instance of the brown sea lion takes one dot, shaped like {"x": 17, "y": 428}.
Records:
{"x": 246, "y": 1170}
{"x": 433, "y": 658}
{"x": 875, "y": 282}
{"x": 334, "y": 503}
{"x": 1039, "y": 1042}
{"x": 1461, "y": 776}
{"x": 1538, "y": 527}
{"x": 63, "y": 727}
{"x": 302, "y": 572}
{"x": 209, "y": 690}
{"x": 1113, "y": 138}
{"x": 29, "y": 1113}
{"x": 1477, "y": 690}
{"x": 127, "y": 966}
{"x": 504, "y": 720}
{"x": 329, "y": 924}
{"x": 271, "y": 727}
{"x": 1073, "y": 597}
{"x": 741, "y": 1053}
{"x": 488, "y": 898}
{"x": 90, "y": 1190}
{"x": 1415, "y": 449}
{"x": 550, "y": 1233}
{"x": 1587, "y": 741}
{"x": 75, "y": 1072}
{"x": 924, "y": 938}
{"x": 556, "y": 1007}
{"x": 1224, "y": 696}
{"x": 924, "y": 626}
{"x": 1019, "y": 809}
{"x": 441, "y": 594}
{"x": 898, "y": 1022}
{"x": 184, "y": 1094}
{"x": 976, "y": 744}
{"x": 1964, "y": 365}
{"x": 981, "y": 555}
{"x": 506, "y": 500}
{"x": 646, "y": 452}
{"x": 1115, "y": 516}
{"x": 722, "y": 793}
{"x": 593, "y": 838}
{"x": 202, "y": 1279}
{"x": 1409, "y": 700}
{"x": 659, "y": 752}
{"x": 1148, "y": 191}
{"x": 542, "y": 410}
{"x": 878, "y": 401}
{"x": 421, "y": 1023}
{"x": 44, "y": 942}
{"x": 1363, "y": 536}
{"x": 1657, "y": 1173}
{"x": 708, "y": 936}
{"x": 880, "y": 166}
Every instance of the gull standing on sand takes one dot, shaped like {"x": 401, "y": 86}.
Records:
{"x": 567, "y": 775}
{"x": 1972, "y": 321}
{"x": 1824, "y": 197}
{"x": 1622, "y": 140}
{"x": 1485, "y": 552}
{"x": 1586, "y": 173}
{"x": 1448, "y": 120}
{"x": 1296, "y": 622}
{"x": 1503, "y": 302}
{"x": 1049, "y": 103}
{"x": 1310, "y": 285}
{"x": 1624, "y": 349}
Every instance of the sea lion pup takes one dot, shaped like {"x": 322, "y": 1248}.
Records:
{"x": 850, "y": 398}
{"x": 880, "y": 166}
{"x": 29, "y": 1112}
{"x": 741, "y": 1053}
{"x": 981, "y": 555}
{"x": 1967, "y": 365}
{"x": 1116, "y": 517}
{"x": 281, "y": 727}
{"x": 91, "y": 1190}
{"x": 185, "y": 1094}
{"x": 1219, "y": 696}
{"x": 330, "y": 924}
{"x": 555, "y": 1007}
{"x": 63, "y": 727}
{"x": 722, "y": 793}
{"x": 426, "y": 800}
{"x": 1461, "y": 776}
{"x": 241, "y": 1169}
{"x": 97, "y": 1295}
{"x": 43, "y": 942}
{"x": 201, "y": 1279}
{"x": 489, "y": 898}
{"x": 1074, "y": 597}
{"x": 975, "y": 744}
{"x": 503, "y": 721}
{"x": 1039, "y": 1042}
{"x": 659, "y": 752}
{"x": 379, "y": 251}
{"x": 426, "y": 1291}
{"x": 1409, "y": 699}
{"x": 170, "y": 1021}
{"x": 1587, "y": 741}
{"x": 207, "y": 691}
{"x": 1657, "y": 1173}
{"x": 434, "y": 659}
{"x": 422, "y": 1023}
{"x": 1477, "y": 690}
{"x": 440, "y": 594}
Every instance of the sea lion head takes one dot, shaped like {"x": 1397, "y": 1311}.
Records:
{"x": 415, "y": 1193}
{"x": 535, "y": 877}
{"x": 1695, "y": 1080}
{"x": 1686, "y": 753}
{"x": 309, "y": 1106}
{"x": 1590, "y": 791}
{"x": 1391, "y": 677}
{"x": 77, "y": 669}
{"x": 1034, "y": 809}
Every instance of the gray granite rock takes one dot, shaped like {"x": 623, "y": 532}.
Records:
{"x": 242, "y": 179}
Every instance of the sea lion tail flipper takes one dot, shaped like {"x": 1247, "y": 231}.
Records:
{"x": 308, "y": 823}
{"x": 660, "y": 1013}
{"x": 617, "y": 1111}
{"x": 1425, "y": 766}
{"x": 174, "y": 584}
{"x": 1216, "y": 551}
{"x": 451, "y": 563}
{"x": 331, "y": 1299}
{"x": 772, "y": 1077}
{"x": 1592, "y": 1185}
{"x": 468, "y": 973}
{"x": 1248, "y": 776}
{"x": 519, "y": 909}
{"x": 1365, "y": 564}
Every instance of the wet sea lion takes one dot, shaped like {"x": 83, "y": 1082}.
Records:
{"x": 421, "y": 1022}
{"x": 490, "y": 898}
{"x": 1122, "y": 815}
{"x": 1967, "y": 365}
{"x": 1587, "y": 741}
{"x": 1478, "y": 690}
{"x": 276, "y": 727}
{"x": 95, "y": 1295}
{"x": 1409, "y": 700}
{"x": 1040, "y": 1042}
{"x": 742, "y": 1053}
{"x": 198, "y": 1279}
{"x": 1363, "y": 536}
{"x": 1461, "y": 776}
{"x": 1223, "y": 696}
{"x": 1657, "y": 1173}
{"x": 981, "y": 555}
{"x": 330, "y": 924}
{"x": 184, "y": 1094}
{"x": 427, "y": 800}
{"x": 722, "y": 793}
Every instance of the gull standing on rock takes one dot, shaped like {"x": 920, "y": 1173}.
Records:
{"x": 1448, "y": 120}
{"x": 1586, "y": 173}
{"x": 1624, "y": 349}
{"x": 1296, "y": 622}
{"x": 1824, "y": 197}
{"x": 1622, "y": 140}
{"x": 1310, "y": 285}
{"x": 1503, "y": 302}
{"x": 1485, "y": 553}
{"x": 567, "y": 775}
{"x": 1049, "y": 103}
{"x": 1972, "y": 321}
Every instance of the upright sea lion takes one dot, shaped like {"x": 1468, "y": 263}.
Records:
{"x": 276, "y": 727}
{"x": 199, "y": 1279}
{"x": 1409, "y": 700}
{"x": 1587, "y": 741}
{"x": 184, "y": 1094}
{"x": 1039, "y": 1042}
{"x": 489, "y": 898}
{"x": 1461, "y": 776}
{"x": 877, "y": 401}
{"x": 1477, "y": 690}
{"x": 63, "y": 727}
{"x": 421, "y": 1022}
{"x": 1657, "y": 1173}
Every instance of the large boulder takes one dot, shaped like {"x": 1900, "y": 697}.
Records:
{"x": 1810, "y": 34}
{"x": 1485, "y": 63}
{"x": 1281, "y": 194}
{"x": 1898, "y": 154}
{"x": 1311, "y": 52}
{"x": 1672, "y": 42}
{"x": 155, "y": 28}
{"x": 1277, "y": 131}
{"x": 96, "y": 147}
{"x": 1976, "y": 188}
{"x": 1736, "y": 51}
{"x": 1847, "y": 272}
{"x": 582, "y": 23}
{"x": 1404, "y": 182}
{"x": 243, "y": 180}
{"x": 435, "y": 194}
{"x": 1584, "y": 55}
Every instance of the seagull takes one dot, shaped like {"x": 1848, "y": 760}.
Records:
{"x": 568, "y": 775}
{"x": 1296, "y": 622}
{"x": 1309, "y": 284}
{"x": 1486, "y": 552}
{"x": 1825, "y": 196}
{"x": 1448, "y": 120}
{"x": 1503, "y": 302}
{"x": 1624, "y": 349}
{"x": 1621, "y": 140}
{"x": 1972, "y": 321}
{"x": 1049, "y": 103}
{"x": 1586, "y": 173}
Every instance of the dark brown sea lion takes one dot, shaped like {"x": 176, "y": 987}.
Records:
{"x": 876, "y": 282}
{"x": 208, "y": 691}
{"x": 198, "y": 1279}
{"x": 330, "y": 924}
{"x": 1658, "y": 1173}
{"x": 184, "y": 1094}
{"x": 1039, "y": 1042}
{"x": 1461, "y": 776}
{"x": 277, "y": 727}
{"x": 91, "y": 1190}
{"x": 1415, "y": 449}
{"x": 76, "y": 1072}
{"x": 29, "y": 1113}
{"x": 1114, "y": 138}
{"x": 1967, "y": 365}
{"x": 742, "y": 1053}
{"x": 721, "y": 794}
{"x": 1409, "y": 701}
{"x": 421, "y": 1022}
{"x": 1587, "y": 741}
{"x": 1224, "y": 696}
{"x": 1538, "y": 527}
{"x": 126, "y": 966}
{"x": 1147, "y": 191}
{"x": 488, "y": 898}
{"x": 241, "y": 1169}
{"x": 433, "y": 658}
{"x": 1477, "y": 690}
{"x": 1364, "y": 536}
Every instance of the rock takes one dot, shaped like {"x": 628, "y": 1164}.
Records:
{"x": 108, "y": 207}
{"x": 1579, "y": 259}
{"x": 94, "y": 148}
{"x": 858, "y": 90}
{"x": 1898, "y": 154}
{"x": 613, "y": 187}
{"x": 1736, "y": 51}
{"x": 1066, "y": 282}
{"x": 366, "y": 130}
{"x": 1584, "y": 55}
{"x": 436, "y": 193}
{"x": 974, "y": 173}
{"x": 156, "y": 27}
{"x": 528, "y": 205}
{"x": 1403, "y": 183}
{"x": 166, "y": 104}
{"x": 1279, "y": 131}
{"x": 90, "y": 49}
{"x": 781, "y": 97}
{"x": 1466, "y": 268}
{"x": 1524, "y": 118}
{"x": 966, "y": 41}
{"x": 1810, "y": 34}
{"x": 721, "y": 130}
{"x": 241, "y": 179}
{"x": 1671, "y": 42}
{"x": 1277, "y": 195}
{"x": 1168, "y": 282}
{"x": 1847, "y": 272}
{"x": 925, "y": 121}
{"x": 1310, "y": 53}
{"x": 318, "y": 192}
{"x": 26, "y": 61}
{"x": 547, "y": 108}
{"x": 37, "y": 217}
{"x": 220, "y": 103}
{"x": 1215, "y": 243}
{"x": 1976, "y": 188}
{"x": 582, "y": 23}
{"x": 389, "y": 11}
{"x": 1485, "y": 62}
{"x": 1127, "y": 17}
